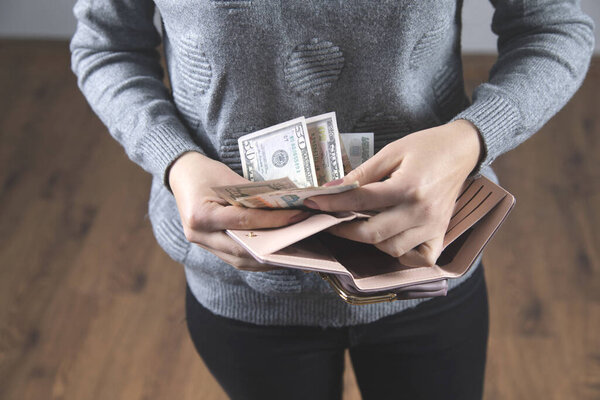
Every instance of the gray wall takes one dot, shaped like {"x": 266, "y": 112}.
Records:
{"x": 53, "y": 19}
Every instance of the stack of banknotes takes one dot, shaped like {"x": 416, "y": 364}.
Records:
{"x": 290, "y": 162}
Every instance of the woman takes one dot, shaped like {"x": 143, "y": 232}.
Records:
{"x": 392, "y": 68}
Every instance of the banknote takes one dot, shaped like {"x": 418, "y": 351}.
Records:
{"x": 359, "y": 147}
{"x": 345, "y": 159}
{"x": 233, "y": 192}
{"x": 261, "y": 195}
{"x": 326, "y": 147}
{"x": 279, "y": 151}
{"x": 291, "y": 198}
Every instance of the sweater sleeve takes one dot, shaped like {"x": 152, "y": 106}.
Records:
{"x": 114, "y": 55}
{"x": 544, "y": 50}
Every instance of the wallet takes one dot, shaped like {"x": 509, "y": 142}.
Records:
{"x": 362, "y": 274}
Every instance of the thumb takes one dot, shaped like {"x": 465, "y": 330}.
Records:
{"x": 218, "y": 218}
{"x": 424, "y": 255}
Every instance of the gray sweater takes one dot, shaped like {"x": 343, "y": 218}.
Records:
{"x": 236, "y": 66}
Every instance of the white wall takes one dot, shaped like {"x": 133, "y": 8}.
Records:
{"x": 53, "y": 19}
{"x": 477, "y": 17}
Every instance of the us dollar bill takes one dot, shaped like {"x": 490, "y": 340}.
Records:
{"x": 359, "y": 147}
{"x": 345, "y": 159}
{"x": 326, "y": 147}
{"x": 279, "y": 151}
{"x": 232, "y": 193}
{"x": 261, "y": 195}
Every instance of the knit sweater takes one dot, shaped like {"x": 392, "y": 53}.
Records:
{"x": 236, "y": 66}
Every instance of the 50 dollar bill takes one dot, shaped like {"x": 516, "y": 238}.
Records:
{"x": 279, "y": 151}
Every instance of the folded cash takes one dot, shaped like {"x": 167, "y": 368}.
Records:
{"x": 232, "y": 192}
{"x": 263, "y": 195}
{"x": 287, "y": 163}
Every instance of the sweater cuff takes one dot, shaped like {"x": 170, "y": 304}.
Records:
{"x": 498, "y": 122}
{"x": 163, "y": 145}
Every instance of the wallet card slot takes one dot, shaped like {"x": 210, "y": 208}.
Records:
{"x": 464, "y": 189}
{"x": 466, "y": 200}
{"x": 470, "y": 215}
{"x": 462, "y": 216}
{"x": 452, "y": 249}
{"x": 470, "y": 244}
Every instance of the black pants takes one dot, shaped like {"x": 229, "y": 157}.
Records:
{"x": 435, "y": 351}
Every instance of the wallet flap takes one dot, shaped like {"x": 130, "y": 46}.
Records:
{"x": 458, "y": 256}
{"x": 309, "y": 254}
{"x": 266, "y": 241}
{"x": 399, "y": 279}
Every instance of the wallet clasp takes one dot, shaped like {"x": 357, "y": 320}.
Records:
{"x": 353, "y": 299}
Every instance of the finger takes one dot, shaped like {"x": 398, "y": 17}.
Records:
{"x": 374, "y": 169}
{"x": 377, "y": 228}
{"x": 243, "y": 264}
{"x": 214, "y": 217}
{"x": 403, "y": 242}
{"x": 424, "y": 255}
{"x": 221, "y": 242}
{"x": 373, "y": 196}
{"x": 231, "y": 252}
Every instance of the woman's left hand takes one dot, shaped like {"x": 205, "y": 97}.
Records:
{"x": 425, "y": 171}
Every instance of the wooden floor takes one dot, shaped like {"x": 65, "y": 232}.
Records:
{"x": 91, "y": 308}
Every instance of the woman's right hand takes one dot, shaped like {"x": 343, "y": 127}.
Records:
{"x": 205, "y": 216}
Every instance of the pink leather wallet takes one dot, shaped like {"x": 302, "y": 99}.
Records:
{"x": 362, "y": 274}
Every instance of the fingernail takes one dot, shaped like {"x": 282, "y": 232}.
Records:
{"x": 299, "y": 217}
{"x": 335, "y": 182}
{"x": 311, "y": 204}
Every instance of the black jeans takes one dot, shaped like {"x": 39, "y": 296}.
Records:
{"x": 436, "y": 350}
